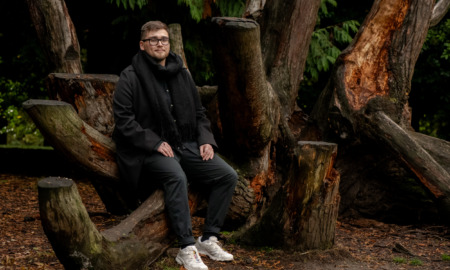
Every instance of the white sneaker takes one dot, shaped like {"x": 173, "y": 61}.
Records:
{"x": 190, "y": 259}
{"x": 211, "y": 248}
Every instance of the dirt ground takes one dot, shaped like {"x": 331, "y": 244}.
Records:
{"x": 359, "y": 244}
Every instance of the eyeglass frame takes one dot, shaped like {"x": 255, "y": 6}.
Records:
{"x": 158, "y": 40}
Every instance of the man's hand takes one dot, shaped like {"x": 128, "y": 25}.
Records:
{"x": 165, "y": 149}
{"x": 206, "y": 151}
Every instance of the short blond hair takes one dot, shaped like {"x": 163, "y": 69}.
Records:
{"x": 152, "y": 26}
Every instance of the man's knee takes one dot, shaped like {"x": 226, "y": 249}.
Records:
{"x": 231, "y": 177}
{"x": 175, "y": 180}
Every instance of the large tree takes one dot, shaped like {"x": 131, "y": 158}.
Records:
{"x": 288, "y": 186}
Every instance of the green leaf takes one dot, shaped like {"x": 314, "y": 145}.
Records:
{"x": 129, "y": 3}
{"x": 231, "y": 8}
{"x": 195, "y": 8}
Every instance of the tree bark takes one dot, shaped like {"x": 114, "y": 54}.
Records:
{"x": 437, "y": 148}
{"x": 56, "y": 34}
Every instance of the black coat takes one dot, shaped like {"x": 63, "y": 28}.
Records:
{"x": 136, "y": 134}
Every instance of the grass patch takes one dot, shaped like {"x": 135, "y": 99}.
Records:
{"x": 167, "y": 263}
{"x": 399, "y": 260}
{"x": 171, "y": 268}
{"x": 416, "y": 262}
{"x": 445, "y": 257}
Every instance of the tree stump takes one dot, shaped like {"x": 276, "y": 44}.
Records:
{"x": 313, "y": 198}
{"x": 133, "y": 244}
{"x": 303, "y": 214}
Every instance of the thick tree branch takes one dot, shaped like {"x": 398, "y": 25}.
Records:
{"x": 440, "y": 9}
{"x": 254, "y": 8}
{"x": 68, "y": 134}
{"x": 380, "y": 127}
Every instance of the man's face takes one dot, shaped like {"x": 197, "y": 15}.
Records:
{"x": 159, "y": 51}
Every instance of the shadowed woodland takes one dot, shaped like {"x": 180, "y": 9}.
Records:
{"x": 355, "y": 153}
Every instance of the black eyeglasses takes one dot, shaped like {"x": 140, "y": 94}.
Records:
{"x": 154, "y": 41}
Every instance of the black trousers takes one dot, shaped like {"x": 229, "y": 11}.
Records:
{"x": 173, "y": 173}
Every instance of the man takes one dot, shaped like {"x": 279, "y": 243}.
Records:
{"x": 161, "y": 130}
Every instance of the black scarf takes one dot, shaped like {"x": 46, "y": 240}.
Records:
{"x": 147, "y": 70}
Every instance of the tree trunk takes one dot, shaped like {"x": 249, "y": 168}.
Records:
{"x": 251, "y": 129}
{"x": 286, "y": 31}
{"x": 176, "y": 41}
{"x": 367, "y": 97}
{"x": 56, "y": 34}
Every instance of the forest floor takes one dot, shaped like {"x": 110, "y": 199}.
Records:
{"x": 359, "y": 243}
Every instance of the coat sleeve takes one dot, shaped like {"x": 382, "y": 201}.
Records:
{"x": 127, "y": 129}
{"x": 204, "y": 133}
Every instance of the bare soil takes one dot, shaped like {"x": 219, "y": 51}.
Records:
{"x": 360, "y": 243}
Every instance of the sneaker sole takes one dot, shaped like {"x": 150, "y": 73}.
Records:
{"x": 214, "y": 258}
{"x": 180, "y": 262}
